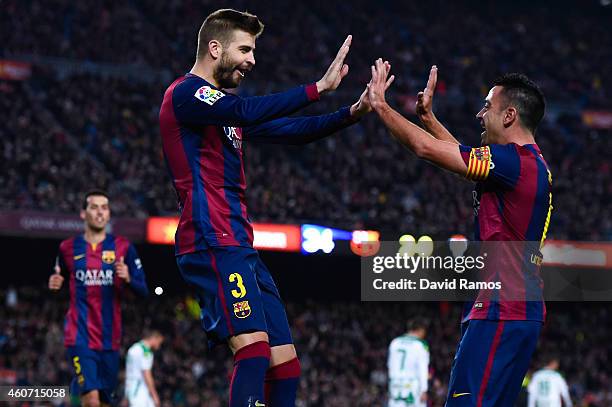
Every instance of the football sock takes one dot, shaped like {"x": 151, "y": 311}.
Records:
{"x": 247, "y": 382}
{"x": 282, "y": 384}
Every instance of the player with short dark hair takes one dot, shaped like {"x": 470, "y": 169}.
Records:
{"x": 93, "y": 192}
{"x": 139, "y": 383}
{"x": 99, "y": 266}
{"x": 512, "y": 203}
{"x": 203, "y": 128}
{"x": 408, "y": 366}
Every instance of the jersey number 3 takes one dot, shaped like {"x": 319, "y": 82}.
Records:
{"x": 241, "y": 292}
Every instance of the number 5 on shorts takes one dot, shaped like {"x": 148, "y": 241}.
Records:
{"x": 238, "y": 278}
{"x": 77, "y": 365}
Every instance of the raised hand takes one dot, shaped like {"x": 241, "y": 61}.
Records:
{"x": 337, "y": 70}
{"x": 425, "y": 98}
{"x": 379, "y": 84}
{"x": 363, "y": 105}
{"x": 122, "y": 270}
{"x": 56, "y": 280}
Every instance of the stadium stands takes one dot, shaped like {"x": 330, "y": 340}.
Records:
{"x": 342, "y": 347}
{"x": 361, "y": 178}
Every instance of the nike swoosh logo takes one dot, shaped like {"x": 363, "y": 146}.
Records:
{"x": 258, "y": 404}
{"x": 80, "y": 256}
{"x": 455, "y": 395}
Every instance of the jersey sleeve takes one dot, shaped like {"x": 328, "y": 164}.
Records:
{"x": 496, "y": 162}
{"x": 564, "y": 392}
{"x": 60, "y": 261}
{"x": 299, "y": 130}
{"x": 390, "y": 357}
{"x": 424, "y": 367}
{"x": 531, "y": 391}
{"x": 138, "y": 281}
{"x": 62, "y": 255}
{"x": 205, "y": 105}
{"x": 146, "y": 361}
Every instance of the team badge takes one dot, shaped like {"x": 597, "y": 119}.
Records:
{"x": 208, "y": 95}
{"x": 482, "y": 153}
{"x": 242, "y": 309}
{"x": 108, "y": 256}
{"x": 479, "y": 164}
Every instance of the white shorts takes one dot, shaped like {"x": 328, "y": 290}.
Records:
{"x": 138, "y": 394}
{"x": 405, "y": 393}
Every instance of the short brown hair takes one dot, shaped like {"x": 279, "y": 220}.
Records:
{"x": 220, "y": 25}
{"x": 93, "y": 192}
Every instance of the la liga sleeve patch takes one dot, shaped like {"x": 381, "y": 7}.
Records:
{"x": 208, "y": 95}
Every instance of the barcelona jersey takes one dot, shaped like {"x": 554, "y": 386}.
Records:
{"x": 93, "y": 319}
{"x": 202, "y": 130}
{"x": 512, "y": 204}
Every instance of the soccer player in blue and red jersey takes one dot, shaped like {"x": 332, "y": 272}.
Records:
{"x": 203, "y": 128}
{"x": 512, "y": 204}
{"x": 100, "y": 266}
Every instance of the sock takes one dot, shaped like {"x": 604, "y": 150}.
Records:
{"x": 282, "y": 383}
{"x": 247, "y": 383}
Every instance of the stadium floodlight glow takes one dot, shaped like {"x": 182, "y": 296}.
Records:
{"x": 365, "y": 242}
{"x": 409, "y": 245}
{"x": 267, "y": 236}
{"x": 315, "y": 238}
{"x": 458, "y": 244}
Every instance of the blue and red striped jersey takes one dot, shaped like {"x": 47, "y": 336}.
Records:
{"x": 202, "y": 130}
{"x": 93, "y": 319}
{"x": 512, "y": 203}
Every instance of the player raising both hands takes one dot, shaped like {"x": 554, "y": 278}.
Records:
{"x": 512, "y": 203}
{"x": 203, "y": 128}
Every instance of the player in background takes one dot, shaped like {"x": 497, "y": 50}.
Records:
{"x": 512, "y": 203}
{"x": 99, "y": 267}
{"x": 203, "y": 128}
{"x": 408, "y": 365}
{"x": 547, "y": 387}
{"x": 139, "y": 384}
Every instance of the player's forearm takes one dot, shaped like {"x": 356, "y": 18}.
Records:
{"x": 406, "y": 132}
{"x": 148, "y": 376}
{"x": 315, "y": 128}
{"x": 301, "y": 130}
{"x": 258, "y": 109}
{"x": 435, "y": 128}
{"x": 139, "y": 286}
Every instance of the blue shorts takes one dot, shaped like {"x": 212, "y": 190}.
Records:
{"x": 491, "y": 362}
{"x": 94, "y": 370}
{"x": 237, "y": 294}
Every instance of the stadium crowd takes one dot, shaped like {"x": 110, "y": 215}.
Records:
{"x": 361, "y": 178}
{"x": 63, "y": 135}
{"x": 342, "y": 347}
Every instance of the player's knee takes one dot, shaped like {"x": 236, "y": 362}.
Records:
{"x": 240, "y": 341}
{"x": 91, "y": 399}
{"x": 282, "y": 354}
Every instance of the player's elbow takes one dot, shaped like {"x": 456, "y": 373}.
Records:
{"x": 422, "y": 150}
